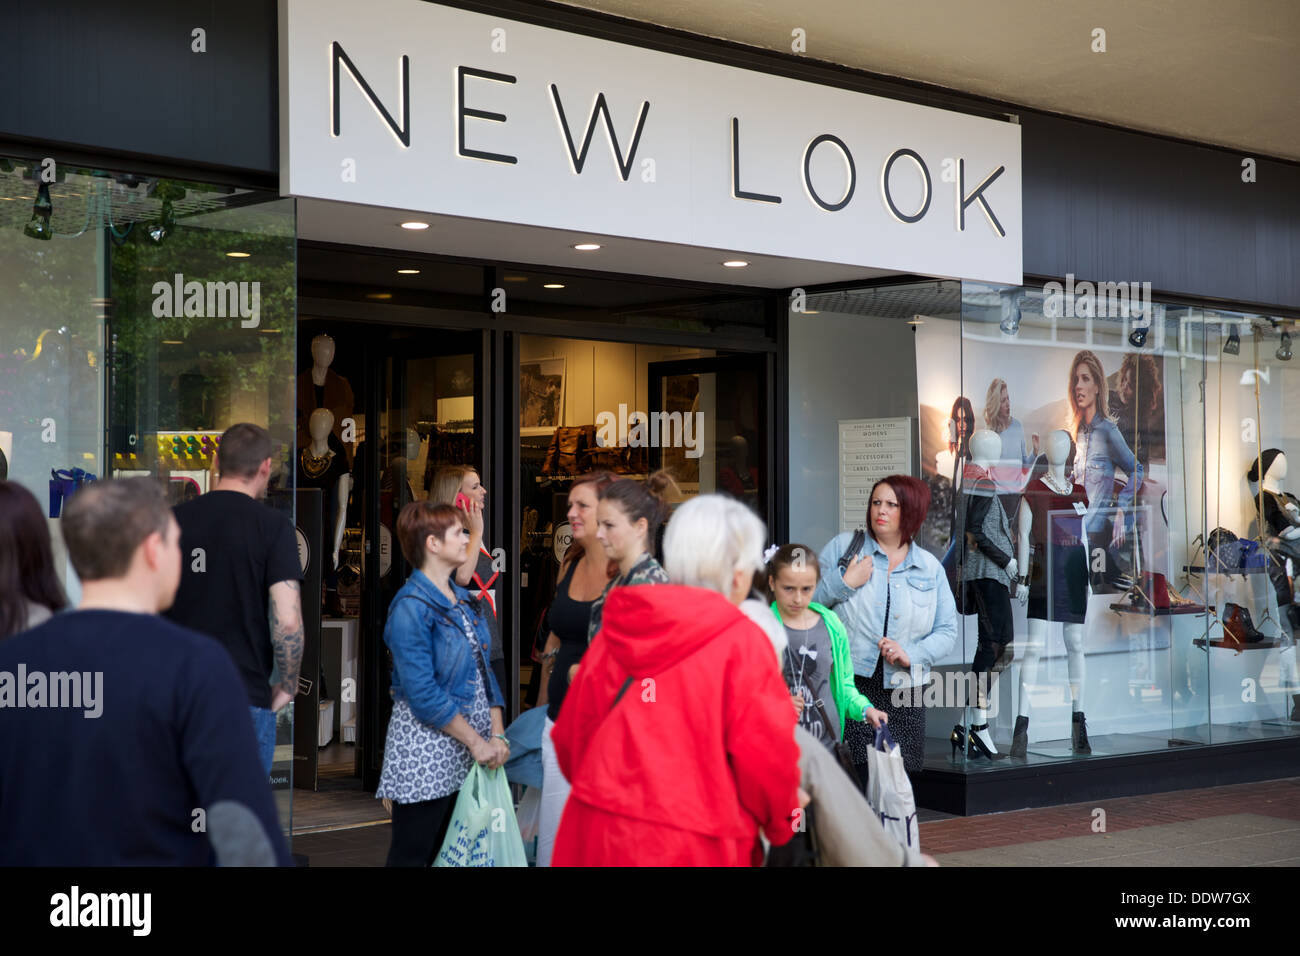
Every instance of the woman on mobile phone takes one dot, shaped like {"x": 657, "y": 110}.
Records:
{"x": 460, "y": 487}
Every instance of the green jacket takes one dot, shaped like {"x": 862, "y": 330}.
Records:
{"x": 848, "y": 701}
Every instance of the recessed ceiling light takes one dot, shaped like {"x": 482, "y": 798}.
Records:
{"x": 379, "y": 295}
{"x": 238, "y": 255}
{"x": 916, "y": 320}
{"x": 811, "y": 312}
{"x": 415, "y": 224}
{"x": 172, "y": 342}
{"x": 408, "y": 272}
{"x": 515, "y": 278}
{"x": 269, "y": 331}
{"x": 553, "y": 285}
{"x": 735, "y": 263}
{"x": 587, "y": 246}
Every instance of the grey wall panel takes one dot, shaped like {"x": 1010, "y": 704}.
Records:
{"x": 1110, "y": 205}
{"x": 121, "y": 76}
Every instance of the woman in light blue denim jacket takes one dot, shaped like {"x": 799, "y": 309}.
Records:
{"x": 899, "y": 612}
{"x": 1099, "y": 448}
{"x": 446, "y": 702}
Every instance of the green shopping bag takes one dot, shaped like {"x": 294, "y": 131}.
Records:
{"x": 483, "y": 829}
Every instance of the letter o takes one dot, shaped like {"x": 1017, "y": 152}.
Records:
{"x": 884, "y": 184}
{"x": 807, "y": 175}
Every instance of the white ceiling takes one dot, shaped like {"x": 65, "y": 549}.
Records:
{"x": 325, "y": 221}
{"x": 1224, "y": 72}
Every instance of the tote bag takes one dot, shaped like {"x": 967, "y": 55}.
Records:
{"x": 890, "y": 792}
{"x": 483, "y": 830}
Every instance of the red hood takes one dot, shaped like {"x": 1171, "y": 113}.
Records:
{"x": 650, "y": 628}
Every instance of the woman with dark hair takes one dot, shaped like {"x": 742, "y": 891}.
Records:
{"x": 30, "y": 592}
{"x": 628, "y": 516}
{"x": 894, "y": 600}
{"x": 446, "y": 704}
{"x": 584, "y": 573}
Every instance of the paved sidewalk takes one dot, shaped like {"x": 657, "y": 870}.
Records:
{"x": 1252, "y": 824}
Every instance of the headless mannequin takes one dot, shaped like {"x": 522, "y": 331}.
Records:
{"x": 990, "y": 587}
{"x": 1272, "y": 484}
{"x": 319, "y": 426}
{"x": 1057, "y": 451}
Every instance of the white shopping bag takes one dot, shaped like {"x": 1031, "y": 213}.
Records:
{"x": 890, "y": 792}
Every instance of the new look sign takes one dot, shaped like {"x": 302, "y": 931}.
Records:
{"x": 410, "y": 105}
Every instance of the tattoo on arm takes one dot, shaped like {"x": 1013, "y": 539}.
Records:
{"x": 287, "y": 633}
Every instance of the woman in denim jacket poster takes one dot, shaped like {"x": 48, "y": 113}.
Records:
{"x": 895, "y": 603}
{"x": 447, "y": 706}
{"x": 1100, "y": 448}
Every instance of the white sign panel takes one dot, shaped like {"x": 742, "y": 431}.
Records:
{"x": 870, "y": 449}
{"x": 415, "y": 106}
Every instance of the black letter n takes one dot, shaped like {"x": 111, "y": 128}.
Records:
{"x": 403, "y": 132}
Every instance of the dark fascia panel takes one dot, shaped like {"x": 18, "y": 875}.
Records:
{"x": 123, "y": 78}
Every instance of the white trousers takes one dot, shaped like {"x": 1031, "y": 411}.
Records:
{"x": 555, "y": 794}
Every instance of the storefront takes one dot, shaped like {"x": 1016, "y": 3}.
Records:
{"x": 156, "y": 288}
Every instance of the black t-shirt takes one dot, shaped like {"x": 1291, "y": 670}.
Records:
{"x": 157, "y": 729}
{"x": 569, "y": 620}
{"x": 246, "y": 547}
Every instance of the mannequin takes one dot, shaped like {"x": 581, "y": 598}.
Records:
{"x": 1067, "y": 602}
{"x": 320, "y": 466}
{"x": 1281, "y": 534}
{"x": 989, "y": 572}
{"x": 321, "y": 387}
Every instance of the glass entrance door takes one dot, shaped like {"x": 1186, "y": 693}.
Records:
{"x": 423, "y": 411}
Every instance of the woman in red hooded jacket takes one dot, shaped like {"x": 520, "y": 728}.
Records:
{"x": 678, "y": 734}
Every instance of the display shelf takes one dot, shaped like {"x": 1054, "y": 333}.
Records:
{"x": 1234, "y": 646}
{"x": 1200, "y": 569}
{"x": 1125, "y": 608}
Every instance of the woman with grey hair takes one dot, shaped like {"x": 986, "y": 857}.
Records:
{"x": 689, "y": 702}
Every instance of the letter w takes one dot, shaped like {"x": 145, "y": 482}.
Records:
{"x": 601, "y": 108}
{"x": 403, "y": 132}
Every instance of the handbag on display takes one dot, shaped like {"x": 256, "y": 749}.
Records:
{"x": 63, "y": 485}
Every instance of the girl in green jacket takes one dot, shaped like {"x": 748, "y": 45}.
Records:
{"x": 818, "y": 668}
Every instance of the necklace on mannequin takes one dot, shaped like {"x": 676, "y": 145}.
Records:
{"x": 1060, "y": 488}
{"x": 314, "y": 466}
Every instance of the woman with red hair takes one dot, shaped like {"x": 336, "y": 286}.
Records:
{"x": 894, "y": 600}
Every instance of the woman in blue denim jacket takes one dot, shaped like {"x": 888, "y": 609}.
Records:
{"x": 446, "y": 702}
{"x": 895, "y": 603}
{"x": 1099, "y": 448}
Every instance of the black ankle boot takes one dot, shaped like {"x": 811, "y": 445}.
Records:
{"x": 1079, "y": 734}
{"x": 1020, "y": 739}
{"x": 1295, "y": 710}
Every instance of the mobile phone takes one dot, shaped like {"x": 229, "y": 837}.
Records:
{"x": 462, "y": 501}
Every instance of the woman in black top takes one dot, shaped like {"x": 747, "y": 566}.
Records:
{"x": 583, "y": 576}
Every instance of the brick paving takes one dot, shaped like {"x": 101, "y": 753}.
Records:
{"x": 1272, "y": 798}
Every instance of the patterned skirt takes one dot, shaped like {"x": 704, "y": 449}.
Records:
{"x": 423, "y": 763}
{"x": 906, "y": 723}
